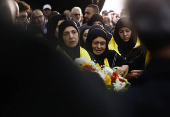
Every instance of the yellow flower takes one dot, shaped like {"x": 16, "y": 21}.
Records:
{"x": 107, "y": 80}
{"x": 97, "y": 65}
{"x": 84, "y": 64}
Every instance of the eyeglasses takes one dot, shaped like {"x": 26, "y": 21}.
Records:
{"x": 76, "y": 14}
{"x": 37, "y": 17}
{"x": 23, "y": 18}
{"x": 96, "y": 43}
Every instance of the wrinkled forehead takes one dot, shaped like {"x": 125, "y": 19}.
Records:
{"x": 69, "y": 29}
{"x": 76, "y": 11}
{"x": 37, "y": 12}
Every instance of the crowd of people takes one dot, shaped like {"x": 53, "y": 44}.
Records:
{"x": 39, "y": 46}
{"x": 121, "y": 38}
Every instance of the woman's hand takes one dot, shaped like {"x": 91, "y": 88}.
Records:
{"x": 133, "y": 74}
{"x": 124, "y": 69}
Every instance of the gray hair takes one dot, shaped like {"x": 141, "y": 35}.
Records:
{"x": 34, "y": 11}
{"x": 76, "y": 8}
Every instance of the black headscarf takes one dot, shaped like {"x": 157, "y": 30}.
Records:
{"x": 82, "y": 44}
{"x": 124, "y": 47}
{"x": 94, "y": 32}
{"x": 95, "y": 17}
{"x": 72, "y": 52}
{"x": 51, "y": 28}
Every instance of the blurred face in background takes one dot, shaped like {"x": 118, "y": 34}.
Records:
{"x": 57, "y": 28}
{"x": 106, "y": 20}
{"x": 116, "y": 18}
{"x": 38, "y": 18}
{"x": 125, "y": 33}
{"x": 46, "y": 12}
{"x": 98, "y": 22}
{"x": 22, "y": 19}
{"x": 85, "y": 35}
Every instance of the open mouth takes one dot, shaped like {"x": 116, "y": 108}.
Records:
{"x": 72, "y": 42}
{"x": 98, "y": 51}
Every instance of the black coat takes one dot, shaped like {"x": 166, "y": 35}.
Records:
{"x": 36, "y": 80}
{"x": 150, "y": 97}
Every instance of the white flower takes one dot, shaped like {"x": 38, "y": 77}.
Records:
{"x": 108, "y": 70}
{"x": 118, "y": 85}
{"x": 78, "y": 61}
{"x": 101, "y": 74}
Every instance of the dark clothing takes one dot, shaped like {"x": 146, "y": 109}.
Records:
{"x": 114, "y": 59}
{"x": 124, "y": 47}
{"x": 82, "y": 44}
{"x": 109, "y": 29}
{"x": 150, "y": 97}
{"x": 36, "y": 80}
{"x": 106, "y": 27}
{"x": 136, "y": 58}
{"x": 82, "y": 27}
{"x": 72, "y": 52}
{"x": 128, "y": 50}
{"x": 52, "y": 40}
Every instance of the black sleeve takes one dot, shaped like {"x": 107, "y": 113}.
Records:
{"x": 120, "y": 60}
{"x": 137, "y": 63}
{"x": 39, "y": 81}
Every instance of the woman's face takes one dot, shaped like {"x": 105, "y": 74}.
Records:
{"x": 125, "y": 33}
{"x": 85, "y": 35}
{"x": 98, "y": 22}
{"x": 70, "y": 36}
{"x": 98, "y": 45}
{"x": 57, "y": 28}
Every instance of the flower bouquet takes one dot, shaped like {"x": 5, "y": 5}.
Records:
{"x": 111, "y": 78}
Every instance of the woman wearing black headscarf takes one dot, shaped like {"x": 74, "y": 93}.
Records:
{"x": 97, "y": 43}
{"x": 69, "y": 43}
{"x": 98, "y": 19}
{"x": 83, "y": 36}
{"x": 126, "y": 38}
{"x": 129, "y": 46}
{"x": 52, "y": 29}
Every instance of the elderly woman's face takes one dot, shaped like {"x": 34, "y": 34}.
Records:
{"x": 70, "y": 36}
{"x": 98, "y": 45}
{"x": 125, "y": 33}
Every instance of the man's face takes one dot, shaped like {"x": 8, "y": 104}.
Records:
{"x": 88, "y": 13}
{"x": 38, "y": 18}
{"x": 115, "y": 18}
{"x": 46, "y": 12}
{"x": 70, "y": 36}
{"x": 22, "y": 19}
{"x": 106, "y": 20}
{"x": 76, "y": 16}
